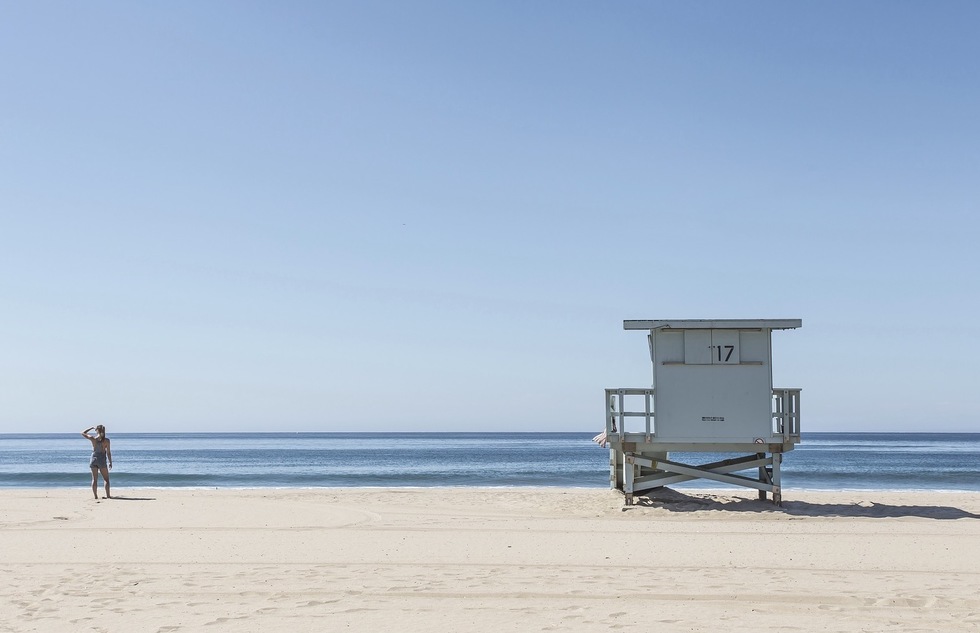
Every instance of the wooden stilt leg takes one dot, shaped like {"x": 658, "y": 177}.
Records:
{"x": 763, "y": 476}
{"x": 777, "y": 490}
{"x": 613, "y": 469}
{"x": 629, "y": 471}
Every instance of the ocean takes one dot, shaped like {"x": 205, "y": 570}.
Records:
{"x": 823, "y": 461}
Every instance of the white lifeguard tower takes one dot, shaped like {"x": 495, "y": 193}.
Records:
{"x": 712, "y": 393}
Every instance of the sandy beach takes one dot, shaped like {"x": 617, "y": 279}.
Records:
{"x": 518, "y": 559}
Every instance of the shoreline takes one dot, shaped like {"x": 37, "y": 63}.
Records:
{"x": 787, "y": 491}
{"x": 487, "y": 559}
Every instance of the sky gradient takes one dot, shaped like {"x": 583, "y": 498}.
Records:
{"x": 426, "y": 216}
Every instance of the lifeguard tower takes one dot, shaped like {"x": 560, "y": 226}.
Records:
{"x": 712, "y": 393}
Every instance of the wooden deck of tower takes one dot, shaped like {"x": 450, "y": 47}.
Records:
{"x": 712, "y": 393}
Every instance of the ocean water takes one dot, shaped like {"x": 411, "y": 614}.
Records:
{"x": 823, "y": 461}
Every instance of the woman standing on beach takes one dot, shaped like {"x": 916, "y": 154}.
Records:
{"x": 101, "y": 458}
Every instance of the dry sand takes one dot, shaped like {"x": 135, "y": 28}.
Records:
{"x": 486, "y": 560}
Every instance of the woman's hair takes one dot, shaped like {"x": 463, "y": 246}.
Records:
{"x": 100, "y": 429}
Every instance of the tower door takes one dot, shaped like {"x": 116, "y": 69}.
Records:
{"x": 711, "y": 347}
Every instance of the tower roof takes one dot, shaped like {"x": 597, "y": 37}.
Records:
{"x": 714, "y": 324}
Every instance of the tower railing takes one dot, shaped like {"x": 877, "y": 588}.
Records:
{"x": 786, "y": 413}
{"x": 627, "y": 403}
{"x": 618, "y": 411}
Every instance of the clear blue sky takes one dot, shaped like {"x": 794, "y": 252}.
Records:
{"x": 346, "y": 216}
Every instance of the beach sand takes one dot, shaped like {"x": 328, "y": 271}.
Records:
{"x": 464, "y": 559}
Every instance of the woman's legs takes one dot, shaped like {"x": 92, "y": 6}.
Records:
{"x": 105, "y": 477}
{"x": 95, "y": 482}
